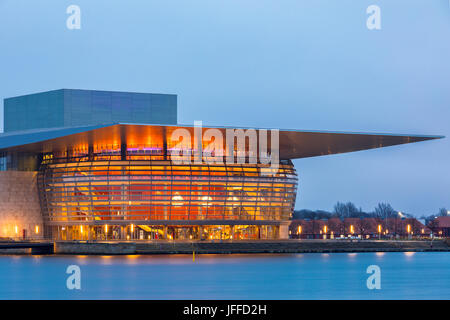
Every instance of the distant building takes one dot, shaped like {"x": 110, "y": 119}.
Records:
{"x": 364, "y": 228}
{"x": 441, "y": 226}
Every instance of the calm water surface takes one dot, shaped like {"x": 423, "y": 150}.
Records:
{"x": 293, "y": 276}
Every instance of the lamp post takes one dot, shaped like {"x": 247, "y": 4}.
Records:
{"x": 396, "y": 224}
{"x": 379, "y": 232}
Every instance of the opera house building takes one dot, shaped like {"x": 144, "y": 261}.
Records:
{"x": 99, "y": 165}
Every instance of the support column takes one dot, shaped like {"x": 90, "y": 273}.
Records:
{"x": 165, "y": 194}
{"x": 123, "y": 152}
{"x": 283, "y": 231}
{"x": 200, "y": 196}
{"x": 91, "y": 153}
{"x": 164, "y": 138}
{"x": 69, "y": 154}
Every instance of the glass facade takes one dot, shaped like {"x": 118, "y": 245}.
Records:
{"x": 161, "y": 232}
{"x": 19, "y": 161}
{"x": 164, "y": 200}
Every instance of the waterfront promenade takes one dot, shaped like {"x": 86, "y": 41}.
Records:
{"x": 229, "y": 247}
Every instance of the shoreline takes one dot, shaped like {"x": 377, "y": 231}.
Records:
{"x": 223, "y": 247}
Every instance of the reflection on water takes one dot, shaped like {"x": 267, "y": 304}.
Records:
{"x": 405, "y": 275}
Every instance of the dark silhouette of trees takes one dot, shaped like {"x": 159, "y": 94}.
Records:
{"x": 310, "y": 214}
{"x": 384, "y": 210}
{"x": 364, "y": 226}
{"x": 442, "y": 212}
{"x": 347, "y": 210}
{"x": 343, "y": 210}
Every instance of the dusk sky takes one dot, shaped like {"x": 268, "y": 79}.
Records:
{"x": 284, "y": 64}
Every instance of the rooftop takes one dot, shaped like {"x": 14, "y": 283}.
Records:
{"x": 293, "y": 143}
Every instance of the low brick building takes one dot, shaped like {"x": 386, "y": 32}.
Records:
{"x": 441, "y": 226}
{"x": 364, "y": 228}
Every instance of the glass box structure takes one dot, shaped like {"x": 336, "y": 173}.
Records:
{"x": 113, "y": 177}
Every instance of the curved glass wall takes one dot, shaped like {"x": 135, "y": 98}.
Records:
{"x": 160, "y": 192}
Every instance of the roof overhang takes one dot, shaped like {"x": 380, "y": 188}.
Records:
{"x": 293, "y": 143}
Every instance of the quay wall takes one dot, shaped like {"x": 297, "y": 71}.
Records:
{"x": 287, "y": 246}
{"x": 94, "y": 248}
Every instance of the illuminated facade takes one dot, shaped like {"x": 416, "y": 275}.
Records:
{"x": 105, "y": 170}
{"x": 196, "y": 200}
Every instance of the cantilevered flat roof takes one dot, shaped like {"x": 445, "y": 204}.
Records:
{"x": 293, "y": 143}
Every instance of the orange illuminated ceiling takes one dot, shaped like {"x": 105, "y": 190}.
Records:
{"x": 293, "y": 143}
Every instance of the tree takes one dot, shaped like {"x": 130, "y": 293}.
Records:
{"x": 346, "y": 210}
{"x": 384, "y": 210}
{"x": 310, "y": 214}
{"x": 364, "y": 226}
{"x": 428, "y": 219}
{"x": 340, "y": 210}
{"x": 443, "y": 212}
{"x": 433, "y": 225}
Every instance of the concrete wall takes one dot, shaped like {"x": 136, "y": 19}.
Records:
{"x": 94, "y": 248}
{"x": 19, "y": 205}
{"x": 262, "y": 246}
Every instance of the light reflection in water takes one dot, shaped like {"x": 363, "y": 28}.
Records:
{"x": 246, "y": 276}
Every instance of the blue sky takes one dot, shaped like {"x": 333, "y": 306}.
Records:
{"x": 294, "y": 64}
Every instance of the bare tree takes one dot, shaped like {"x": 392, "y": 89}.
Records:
{"x": 340, "y": 210}
{"x": 364, "y": 227}
{"x": 384, "y": 210}
{"x": 346, "y": 210}
{"x": 442, "y": 212}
